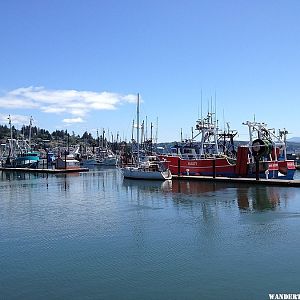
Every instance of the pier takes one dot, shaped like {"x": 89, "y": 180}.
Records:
{"x": 240, "y": 180}
{"x": 48, "y": 171}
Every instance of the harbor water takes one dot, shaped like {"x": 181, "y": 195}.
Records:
{"x": 95, "y": 235}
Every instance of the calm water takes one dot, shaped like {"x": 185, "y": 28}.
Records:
{"x": 96, "y": 236}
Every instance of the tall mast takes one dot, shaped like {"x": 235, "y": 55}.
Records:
{"x": 151, "y": 127}
{"x": 98, "y": 140}
{"x": 201, "y": 104}
{"x": 103, "y": 132}
{"x": 11, "y": 136}
{"x": 156, "y": 133}
{"x": 132, "y": 130}
{"x": 138, "y": 127}
{"x": 29, "y": 138}
{"x": 146, "y": 131}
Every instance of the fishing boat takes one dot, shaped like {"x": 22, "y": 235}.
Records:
{"x": 106, "y": 157}
{"x": 264, "y": 156}
{"x": 28, "y": 159}
{"x": 205, "y": 157}
{"x": 20, "y": 154}
{"x": 148, "y": 167}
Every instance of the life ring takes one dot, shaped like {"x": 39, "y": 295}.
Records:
{"x": 261, "y": 148}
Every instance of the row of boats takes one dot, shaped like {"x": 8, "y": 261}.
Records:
{"x": 214, "y": 154}
{"x": 264, "y": 156}
{"x": 26, "y": 158}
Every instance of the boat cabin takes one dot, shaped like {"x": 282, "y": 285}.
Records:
{"x": 69, "y": 163}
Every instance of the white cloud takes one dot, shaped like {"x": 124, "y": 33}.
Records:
{"x": 74, "y": 120}
{"x": 15, "y": 119}
{"x": 75, "y": 103}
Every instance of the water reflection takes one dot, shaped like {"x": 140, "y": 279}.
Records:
{"x": 197, "y": 187}
{"x": 11, "y": 176}
{"x": 193, "y": 193}
{"x": 257, "y": 198}
{"x": 148, "y": 185}
{"x": 110, "y": 183}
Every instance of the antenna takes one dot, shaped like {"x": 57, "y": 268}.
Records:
{"x": 156, "y": 133}
{"x": 211, "y": 106}
{"x": 215, "y": 106}
{"x": 201, "y": 104}
{"x": 223, "y": 119}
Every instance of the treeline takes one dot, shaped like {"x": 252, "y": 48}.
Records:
{"x": 39, "y": 134}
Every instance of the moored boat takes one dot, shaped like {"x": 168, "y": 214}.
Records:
{"x": 207, "y": 157}
{"x": 264, "y": 156}
{"x": 148, "y": 167}
{"x": 27, "y": 160}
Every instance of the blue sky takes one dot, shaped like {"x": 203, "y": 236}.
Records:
{"x": 78, "y": 65}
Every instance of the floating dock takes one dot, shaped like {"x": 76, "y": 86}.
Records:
{"x": 48, "y": 171}
{"x": 238, "y": 180}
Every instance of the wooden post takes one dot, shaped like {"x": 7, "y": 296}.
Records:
{"x": 65, "y": 159}
{"x": 214, "y": 167}
{"x": 257, "y": 168}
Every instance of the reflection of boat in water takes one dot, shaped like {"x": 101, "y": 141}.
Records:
{"x": 258, "y": 198}
{"x": 148, "y": 185}
{"x": 197, "y": 187}
{"x": 252, "y": 198}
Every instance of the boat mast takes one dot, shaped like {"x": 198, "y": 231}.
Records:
{"x": 11, "y": 137}
{"x": 29, "y": 138}
{"x": 102, "y": 142}
{"x": 98, "y": 139}
{"x": 138, "y": 127}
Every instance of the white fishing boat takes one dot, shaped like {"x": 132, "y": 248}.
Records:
{"x": 106, "y": 157}
{"x": 148, "y": 167}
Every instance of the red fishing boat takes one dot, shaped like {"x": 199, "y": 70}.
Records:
{"x": 263, "y": 156}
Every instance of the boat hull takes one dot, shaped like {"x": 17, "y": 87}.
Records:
{"x": 221, "y": 166}
{"x": 200, "y": 167}
{"x": 138, "y": 173}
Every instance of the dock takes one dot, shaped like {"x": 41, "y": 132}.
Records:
{"x": 240, "y": 180}
{"x": 48, "y": 171}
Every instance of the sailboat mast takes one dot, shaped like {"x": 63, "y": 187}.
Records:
{"x": 138, "y": 127}
{"x": 30, "y": 126}
{"x": 11, "y": 137}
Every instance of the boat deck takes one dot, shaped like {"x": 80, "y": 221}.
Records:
{"x": 277, "y": 182}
